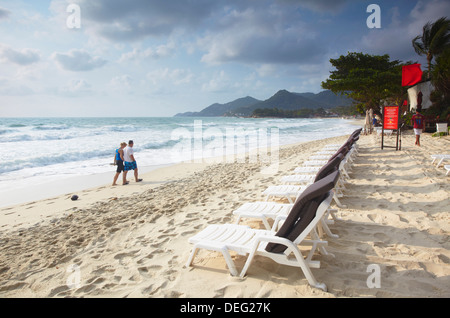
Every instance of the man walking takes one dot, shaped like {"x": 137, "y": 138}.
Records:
{"x": 418, "y": 120}
{"x": 130, "y": 163}
{"x": 119, "y": 161}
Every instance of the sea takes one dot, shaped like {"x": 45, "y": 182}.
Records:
{"x": 35, "y": 151}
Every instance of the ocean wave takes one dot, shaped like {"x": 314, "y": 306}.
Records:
{"x": 160, "y": 145}
{"x": 45, "y": 160}
{"x": 6, "y": 131}
{"x": 27, "y": 137}
{"x": 17, "y": 125}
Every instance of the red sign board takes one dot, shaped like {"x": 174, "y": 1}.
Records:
{"x": 390, "y": 115}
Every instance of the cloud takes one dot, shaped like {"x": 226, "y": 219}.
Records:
{"x": 264, "y": 35}
{"x": 22, "y": 57}
{"x": 121, "y": 81}
{"x": 161, "y": 51}
{"x": 263, "y": 31}
{"x": 4, "y": 14}
{"x": 76, "y": 88}
{"x": 119, "y": 20}
{"x": 15, "y": 89}
{"x": 221, "y": 82}
{"x": 78, "y": 61}
{"x": 173, "y": 76}
{"x": 319, "y": 5}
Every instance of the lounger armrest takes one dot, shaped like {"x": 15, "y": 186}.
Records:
{"x": 277, "y": 240}
{"x": 278, "y": 222}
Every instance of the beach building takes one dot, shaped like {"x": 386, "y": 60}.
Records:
{"x": 425, "y": 88}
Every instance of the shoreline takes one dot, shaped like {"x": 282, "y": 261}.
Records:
{"x": 72, "y": 185}
{"x": 64, "y": 186}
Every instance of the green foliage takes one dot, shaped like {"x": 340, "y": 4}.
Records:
{"x": 406, "y": 118}
{"x": 434, "y": 40}
{"x": 283, "y": 113}
{"x": 367, "y": 79}
{"x": 440, "y": 97}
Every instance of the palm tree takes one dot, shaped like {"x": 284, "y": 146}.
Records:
{"x": 433, "y": 41}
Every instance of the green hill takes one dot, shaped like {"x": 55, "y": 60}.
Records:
{"x": 283, "y": 100}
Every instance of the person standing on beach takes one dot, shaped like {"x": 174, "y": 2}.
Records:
{"x": 118, "y": 160}
{"x": 130, "y": 162}
{"x": 418, "y": 120}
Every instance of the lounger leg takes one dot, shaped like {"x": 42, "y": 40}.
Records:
{"x": 266, "y": 223}
{"x": 339, "y": 204}
{"x": 229, "y": 261}
{"x": 225, "y": 254}
{"x": 333, "y": 215}
{"x": 249, "y": 260}
{"x": 317, "y": 243}
{"x": 327, "y": 230}
{"x": 307, "y": 271}
{"x": 191, "y": 257}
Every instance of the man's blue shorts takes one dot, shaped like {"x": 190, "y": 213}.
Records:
{"x": 130, "y": 165}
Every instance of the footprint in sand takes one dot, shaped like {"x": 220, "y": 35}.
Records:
{"x": 188, "y": 232}
{"x": 59, "y": 291}
{"x": 149, "y": 271}
{"x": 382, "y": 237}
{"x": 126, "y": 258}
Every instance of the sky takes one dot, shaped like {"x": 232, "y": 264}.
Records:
{"x": 117, "y": 58}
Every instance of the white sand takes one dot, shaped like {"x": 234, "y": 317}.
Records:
{"x": 131, "y": 241}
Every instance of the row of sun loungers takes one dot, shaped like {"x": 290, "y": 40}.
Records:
{"x": 302, "y": 221}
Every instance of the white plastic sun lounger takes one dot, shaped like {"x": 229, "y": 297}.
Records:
{"x": 447, "y": 167}
{"x": 264, "y": 211}
{"x": 309, "y": 170}
{"x": 440, "y": 158}
{"x": 309, "y": 163}
{"x": 298, "y": 179}
{"x": 277, "y": 212}
{"x": 284, "y": 191}
{"x": 281, "y": 246}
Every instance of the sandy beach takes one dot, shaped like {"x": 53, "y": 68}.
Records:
{"x": 132, "y": 241}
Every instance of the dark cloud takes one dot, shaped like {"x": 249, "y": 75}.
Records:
{"x": 78, "y": 61}
{"x": 272, "y": 36}
{"x": 4, "y": 14}
{"x": 23, "y": 57}
{"x": 119, "y": 20}
{"x": 267, "y": 31}
{"x": 319, "y": 5}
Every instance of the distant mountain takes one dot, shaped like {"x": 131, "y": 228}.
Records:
{"x": 328, "y": 97}
{"x": 283, "y": 99}
{"x": 217, "y": 109}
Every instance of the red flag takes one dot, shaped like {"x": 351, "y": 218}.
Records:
{"x": 411, "y": 74}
